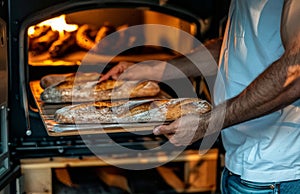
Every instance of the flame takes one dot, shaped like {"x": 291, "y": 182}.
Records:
{"x": 30, "y": 30}
{"x": 57, "y": 24}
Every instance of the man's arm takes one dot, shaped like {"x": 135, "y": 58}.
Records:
{"x": 200, "y": 61}
{"x": 278, "y": 85}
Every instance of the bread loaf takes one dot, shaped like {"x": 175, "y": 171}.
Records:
{"x": 68, "y": 91}
{"x": 133, "y": 111}
{"x": 53, "y": 79}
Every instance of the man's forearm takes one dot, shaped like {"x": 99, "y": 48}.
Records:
{"x": 279, "y": 85}
{"x": 201, "y": 61}
{"x": 276, "y": 87}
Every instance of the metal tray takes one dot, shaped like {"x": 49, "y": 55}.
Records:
{"x": 53, "y": 128}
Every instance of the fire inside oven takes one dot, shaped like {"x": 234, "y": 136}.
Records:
{"x": 88, "y": 43}
{"x": 65, "y": 39}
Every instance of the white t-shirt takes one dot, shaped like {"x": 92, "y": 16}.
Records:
{"x": 266, "y": 149}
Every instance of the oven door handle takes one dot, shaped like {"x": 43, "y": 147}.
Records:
{"x": 26, "y": 109}
{"x": 24, "y": 100}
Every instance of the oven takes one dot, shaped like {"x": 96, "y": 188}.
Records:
{"x": 31, "y": 132}
{"x": 27, "y": 65}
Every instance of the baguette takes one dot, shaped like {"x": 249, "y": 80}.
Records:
{"x": 83, "y": 38}
{"x": 53, "y": 79}
{"x": 38, "y": 32}
{"x": 67, "y": 91}
{"x": 103, "y": 45}
{"x": 42, "y": 44}
{"x": 155, "y": 110}
{"x": 62, "y": 45}
{"x": 103, "y": 32}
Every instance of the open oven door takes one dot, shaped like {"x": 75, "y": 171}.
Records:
{"x": 9, "y": 170}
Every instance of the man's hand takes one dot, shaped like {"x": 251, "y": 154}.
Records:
{"x": 184, "y": 131}
{"x": 116, "y": 71}
{"x": 149, "y": 70}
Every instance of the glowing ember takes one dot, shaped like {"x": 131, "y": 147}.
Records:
{"x": 57, "y": 24}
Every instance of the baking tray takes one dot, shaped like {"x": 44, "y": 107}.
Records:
{"x": 53, "y": 128}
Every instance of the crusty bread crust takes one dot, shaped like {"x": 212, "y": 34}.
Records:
{"x": 157, "y": 110}
{"x": 52, "y": 79}
{"x": 69, "y": 91}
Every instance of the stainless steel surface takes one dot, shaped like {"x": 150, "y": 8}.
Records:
{"x": 3, "y": 85}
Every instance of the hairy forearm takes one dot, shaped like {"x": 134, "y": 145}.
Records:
{"x": 279, "y": 85}
{"x": 201, "y": 61}
{"x": 274, "y": 89}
